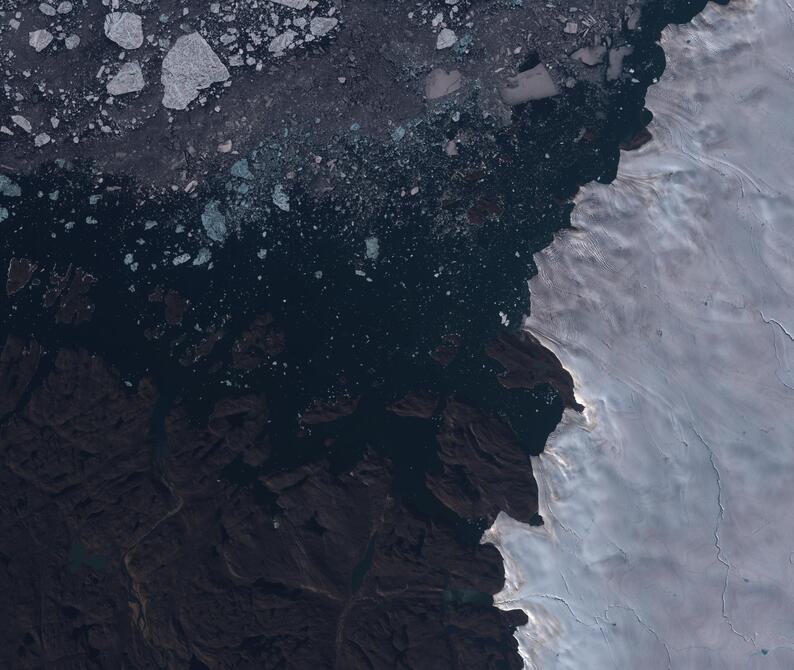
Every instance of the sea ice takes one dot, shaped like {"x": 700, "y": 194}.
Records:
{"x": 214, "y": 222}
{"x": 129, "y": 79}
{"x": 534, "y": 84}
{"x": 125, "y": 29}
{"x": 189, "y": 66}
{"x": 40, "y": 39}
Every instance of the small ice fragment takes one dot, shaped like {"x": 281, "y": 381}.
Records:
{"x": 9, "y": 188}
{"x": 71, "y": 42}
{"x": 41, "y": 139}
{"x": 372, "y": 248}
{"x": 634, "y": 18}
{"x": 125, "y": 29}
{"x": 281, "y": 42}
{"x": 280, "y": 198}
{"x": 189, "y": 66}
{"x": 446, "y": 38}
{"x": 320, "y": 25}
{"x": 241, "y": 170}
{"x": 22, "y": 122}
{"x": 214, "y": 222}
{"x": 293, "y": 4}
{"x": 129, "y": 79}
{"x": 533, "y": 84}
{"x": 182, "y": 258}
{"x": 440, "y": 83}
{"x": 202, "y": 256}
{"x": 590, "y": 55}
{"x": 616, "y": 57}
{"x": 40, "y": 39}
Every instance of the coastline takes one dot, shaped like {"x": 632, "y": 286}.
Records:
{"x": 665, "y": 503}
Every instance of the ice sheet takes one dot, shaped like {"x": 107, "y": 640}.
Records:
{"x": 669, "y": 526}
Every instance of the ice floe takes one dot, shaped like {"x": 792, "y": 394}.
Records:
{"x": 125, "y": 29}
{"x": 129, "y": 79}
{"x": 189, "y": 66}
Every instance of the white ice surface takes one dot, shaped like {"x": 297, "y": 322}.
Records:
{"x": 669, "y": 506}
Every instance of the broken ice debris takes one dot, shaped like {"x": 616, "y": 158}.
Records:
{"x": 214, "y": 222}
{"x": 280, "y": 198}
{"x": 41, "y": 139}
{"x": 71, "y": 41}
{"x": 446, "y": 38}
{"x": 9, "y": 188}
{"x": 440, "y": 83}
{"x": 129, "y": 79}
{"x": 281, "y": 42}
{"x": 320, "y": 25}
{"x": 22, "y": 122}
{"x": 634, "y": 18}
{"x": 47, "y": 10}
{"x": 372, "y": 246}
{"x": 202, "y": 256}
{"x": 241, "y": 170}
{"x": 293, "y": 4}
{"x": 533, "y": 84}
{"x": 590, "y": 55}
{"x": 125, "y": 29}
{"x": 190, "y": 65}
{"x": 616, "y": 57}
{"x": 40, "y": 39}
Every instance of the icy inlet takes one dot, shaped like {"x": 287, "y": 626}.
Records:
{"x": 668, "y": 539}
